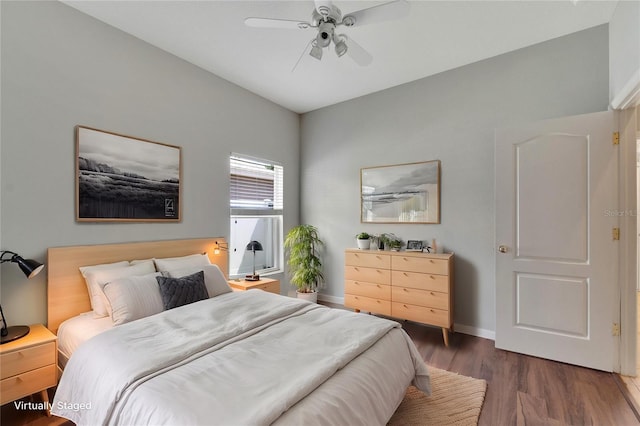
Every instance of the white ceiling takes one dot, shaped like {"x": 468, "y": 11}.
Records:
{"x": 435, "y": 37}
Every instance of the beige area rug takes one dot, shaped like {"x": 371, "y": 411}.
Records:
{"x": 454, "y": 400}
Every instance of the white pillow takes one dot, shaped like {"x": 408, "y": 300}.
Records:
{"x": 182, "y": 262}
{"x": 96, "y": 280}
{"x": 132, "y": 298}
{"x": 214, "y": 279}
{"x": 84, "y": 270}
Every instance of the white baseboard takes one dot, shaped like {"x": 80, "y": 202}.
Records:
{"x": 331, "y": 299}
{"x": 459, "y": 328}
{"x": 475, "y": 331}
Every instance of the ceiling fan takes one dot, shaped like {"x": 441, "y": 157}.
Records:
{"x": 326, "y": 18}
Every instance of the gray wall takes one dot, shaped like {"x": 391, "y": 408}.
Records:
{"x": 60, "y": 68}
{"x": 624, "y": 46}
{"x": 450, "y": 117}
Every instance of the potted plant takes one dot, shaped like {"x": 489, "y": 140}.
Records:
{"x": 391, "y": 242}
{"x": 302, "y": 246}
{"x": 364, "y": 240}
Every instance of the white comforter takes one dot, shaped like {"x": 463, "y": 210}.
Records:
{"x": 242, "y": 358}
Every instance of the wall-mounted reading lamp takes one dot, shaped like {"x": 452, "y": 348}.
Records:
{"x": 31, "y": 268}
{"x": 220, "y": 246}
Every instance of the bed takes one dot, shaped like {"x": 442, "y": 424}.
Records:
{"x": 234, "y": 359}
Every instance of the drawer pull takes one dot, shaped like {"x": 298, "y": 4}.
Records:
{"x": 405, "y": 274}
{"x": 432, "y": 261}
{"x": 432, "y": 311}
{"x": 432, "y": 277}
{"x": 432, "y": 293}
{"x": 378, "y": 285}
{"x": 404, "y": 289}
{"x": 406, "y": 306}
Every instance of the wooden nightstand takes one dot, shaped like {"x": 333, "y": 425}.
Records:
{"x": 266, "y": 284}
{"x": 29, "y": 365}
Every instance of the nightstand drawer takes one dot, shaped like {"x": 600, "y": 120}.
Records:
{"x": 273, "y": 287}
{"x": 359, "y": 288}
{"x": 28, "y": 383}
{"x": 430, "y": 299}
{"x": 23, "y": 360}
{"x": 367, "y": 304}
{"x": 420, "y": 264}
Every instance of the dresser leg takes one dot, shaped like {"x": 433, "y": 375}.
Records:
{"x": 45, "y": 398}
{"x": 445, "y": 335}
{"x": 357, "y": 311}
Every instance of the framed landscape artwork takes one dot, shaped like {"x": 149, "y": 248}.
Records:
{"x": 402, "y": 193}
{"x": 125, "y": 179}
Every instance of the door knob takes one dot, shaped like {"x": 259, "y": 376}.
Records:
{"x": 503, "y": 249}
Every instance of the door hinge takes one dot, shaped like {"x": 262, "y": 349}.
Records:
{"x": 616, "y": 138}
{"x": 615, "y": 330}
{"x": 616, "y": 234}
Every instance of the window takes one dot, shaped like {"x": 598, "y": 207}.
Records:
{"x": 256, "y": 203}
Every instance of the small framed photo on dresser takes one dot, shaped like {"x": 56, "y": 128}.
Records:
{"x": 414, "y": 245}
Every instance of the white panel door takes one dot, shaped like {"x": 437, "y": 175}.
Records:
{"x": 557, "y": 292}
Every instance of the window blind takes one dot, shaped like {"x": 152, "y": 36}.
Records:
{"x": 255, "y": 184}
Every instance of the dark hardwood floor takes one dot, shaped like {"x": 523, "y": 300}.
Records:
{"x": 522, "y": 390}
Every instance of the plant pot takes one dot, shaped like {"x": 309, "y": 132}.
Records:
{"x": 363, "y": 244}
{"x": 311, "y": 297}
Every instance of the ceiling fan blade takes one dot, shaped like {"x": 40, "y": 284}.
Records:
{"x": 276, "y": 23}
{"x": 383, "y": 12}
{"x": 306, "y": 49}
{"x": 357, "y": 52}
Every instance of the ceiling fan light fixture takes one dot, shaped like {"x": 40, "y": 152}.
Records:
{"x": 316, "y": 51}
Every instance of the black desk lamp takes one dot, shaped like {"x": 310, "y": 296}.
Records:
{"x": 253, "y": 246}
{"x": 31, "y": 268}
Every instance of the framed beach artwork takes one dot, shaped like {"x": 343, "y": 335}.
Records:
{"x": 402, "y": 193}
{"x": 126, "y": 179}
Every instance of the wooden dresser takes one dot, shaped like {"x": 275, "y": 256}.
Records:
{"x": 414, "y": 286}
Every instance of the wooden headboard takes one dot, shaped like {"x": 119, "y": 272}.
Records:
{"x": 67, "y": 294}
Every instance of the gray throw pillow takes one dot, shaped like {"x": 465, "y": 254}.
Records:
{"x": 182, "y": 291}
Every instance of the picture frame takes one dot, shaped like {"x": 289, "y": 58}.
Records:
{"x": 123, "y": 178}
{"x": 401, "y": 193}
{"x": 414, "y": 245}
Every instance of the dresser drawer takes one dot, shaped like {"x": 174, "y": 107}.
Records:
{"x": 367, "y": 304}
{"x": 27, "y": 383}
{"x": 370, "y": 275}
{"x": 421, "y": 281}
{"x": 426, "y": 298}
{"x": 369, "y": 260}
{"x": 420, "y": 264}
{"x": 437, "y": 317}
{"x": 23, "y": 360}
{"x": 359, "y": 288}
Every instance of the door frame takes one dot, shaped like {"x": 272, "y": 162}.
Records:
{"x": 629, "y": 129}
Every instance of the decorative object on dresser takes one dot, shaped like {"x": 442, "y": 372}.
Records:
{"x": 414, "y": 245}
{"x": 126, "y": 179}
{"x": 391, "y": 242}
{"x": 28, "y": 366}
{"x": 364, "y": 241}
{"x": 402, "y": 193}
{"x": 31, "y": 268}
{"x": 408, "y": 285}
{"x": 266, "y": 284}
{"x": 305, "y": 266}
{"x": 253, "y": 246}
